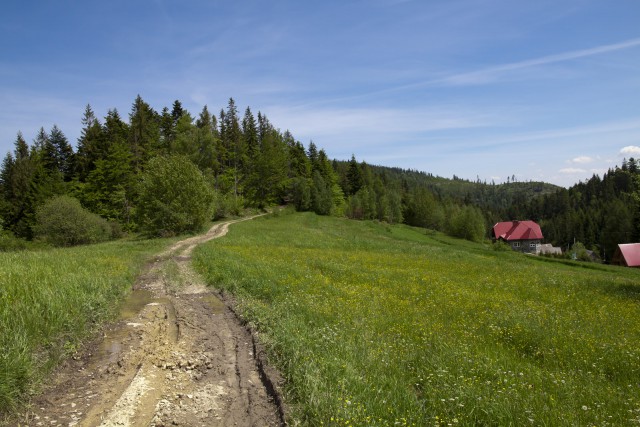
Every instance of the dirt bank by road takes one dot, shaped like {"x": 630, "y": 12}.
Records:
{"x": 181, "y": 357}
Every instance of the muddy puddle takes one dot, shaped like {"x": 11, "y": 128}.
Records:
{"x": 134, "y": 302}
{"x": 117, "y": 340}
{"x": 112, "y": 346}
{"x": 216, "y": 304}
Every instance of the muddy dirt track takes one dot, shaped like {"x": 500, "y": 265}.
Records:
{"x": 180, "y": 357}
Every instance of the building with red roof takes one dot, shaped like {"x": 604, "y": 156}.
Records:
{"x": 627, "y": 254}
{"x": 523, "y": 236}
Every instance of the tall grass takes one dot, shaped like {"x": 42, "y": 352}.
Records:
{"x": 51, "y": 299}
{"x": 379, "y": 325}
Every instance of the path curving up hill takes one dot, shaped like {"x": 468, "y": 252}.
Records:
{"x": 182, "y": 359}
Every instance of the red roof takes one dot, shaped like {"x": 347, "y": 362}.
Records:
{"x": 517, "y": 230}
{"x": 631, "y": 254}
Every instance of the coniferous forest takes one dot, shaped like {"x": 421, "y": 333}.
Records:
{"x": 169, "y": 172}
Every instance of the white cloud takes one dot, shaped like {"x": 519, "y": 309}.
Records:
{"x": 630, "y": 149}
{"x": 582, "y": 159}
{"x": 571, "y": 171}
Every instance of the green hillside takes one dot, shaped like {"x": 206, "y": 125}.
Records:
{"x": 386, "y": 325}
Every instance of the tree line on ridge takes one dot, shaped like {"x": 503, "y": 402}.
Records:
{"x": 235, "y": 161}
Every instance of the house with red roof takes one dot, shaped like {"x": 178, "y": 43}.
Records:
{"x": 522, "y": 236}
{"x": 627, "y": 254}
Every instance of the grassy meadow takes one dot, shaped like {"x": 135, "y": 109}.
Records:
{"x": 51, "y": 299}
{"x": 388, "y": 325}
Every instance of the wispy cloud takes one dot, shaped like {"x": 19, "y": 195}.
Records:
{"x": 491, "y": 74}
{"x": 572, "y": 171}
{"x": 632, "y": 127}
{"x": 582, "y": 159}
{"x": 369, "y": 121}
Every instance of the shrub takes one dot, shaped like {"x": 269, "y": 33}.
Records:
{"x": 9, "y": 243}
{"x": 62, "y": 221}
{"x": 500, "y": 246}
{"x": 174, "y": 197}
{"x": 467, "y": 223}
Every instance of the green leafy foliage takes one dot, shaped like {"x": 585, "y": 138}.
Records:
{"x": 62, "y": 221}
{"x": 467, "y": 223}
{"x": 174, "y": 197}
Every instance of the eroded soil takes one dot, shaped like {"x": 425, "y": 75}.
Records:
{"x": 179, "y": 356}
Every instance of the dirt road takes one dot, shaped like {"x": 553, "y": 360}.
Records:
{"x": 178, "y": 357}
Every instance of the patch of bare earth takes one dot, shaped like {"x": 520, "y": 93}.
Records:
{"x": 183, "y": 359}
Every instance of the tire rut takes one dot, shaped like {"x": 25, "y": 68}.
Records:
{"x": 184, "y": 359}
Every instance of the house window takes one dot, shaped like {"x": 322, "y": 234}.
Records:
{"x": 532, "y": 245}
{"x": 516, "y": 244}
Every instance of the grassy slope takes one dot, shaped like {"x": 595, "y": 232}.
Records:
{"x": 383, "y": 325}
{"x": 51, "y": 299}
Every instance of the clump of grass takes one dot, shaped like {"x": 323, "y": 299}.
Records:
{"x": 378, "y": 327}
{"x": 51, "y": 299}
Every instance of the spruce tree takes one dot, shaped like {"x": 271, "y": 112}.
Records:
{"x": 166, "y": 130}
{"x": 268, "y": 179}
{"x": 177, "y": 112}
{"x": 299, "y": 163}
{"x": 250, "y": 133}
{"x": 90, "y": 144}
{"x": 234, "y": 146}
{"x": 110, "y": 186}
{"x": 185, "y": 142}
{"x": 354, "y": 177}
{"x": 208, "y": 142}
{"x": 62, "y": 153}
{"x": 144, "y": 134}
{"x": 264, "y": 126}
{"x": 312, "y": 153}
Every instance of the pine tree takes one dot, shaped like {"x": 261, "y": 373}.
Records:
{"x": 110, "y": 186}
{"x": 250, "y": 133}
{"x": 321, "y": 195}
{"x": 264, "y": 126}
{"x": 5, "y": 190}
{"x": 115, "y": 130}
{"x": 26, "y": 184}
{"x": 354, "y": 177}
{"x": 204, "y": 120}
{"x": 177, "y": 112}
{"x": 62, "y": 153}
{"x": 299, "y": 164}
{"x": 208, "y": 142}
{"x": 144, "y": 134}
{"x": 90, "y": 144}
{"x": 234, "y": 147}
{"x": 312, "y": 154}
{"x": 166, "y": 130}
{"x": 223, "y": 153}
{"x": 41, "y": 141}
{"x": 268, "y": 179}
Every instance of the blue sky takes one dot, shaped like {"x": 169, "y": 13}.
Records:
{"x": 543, "y": 90}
